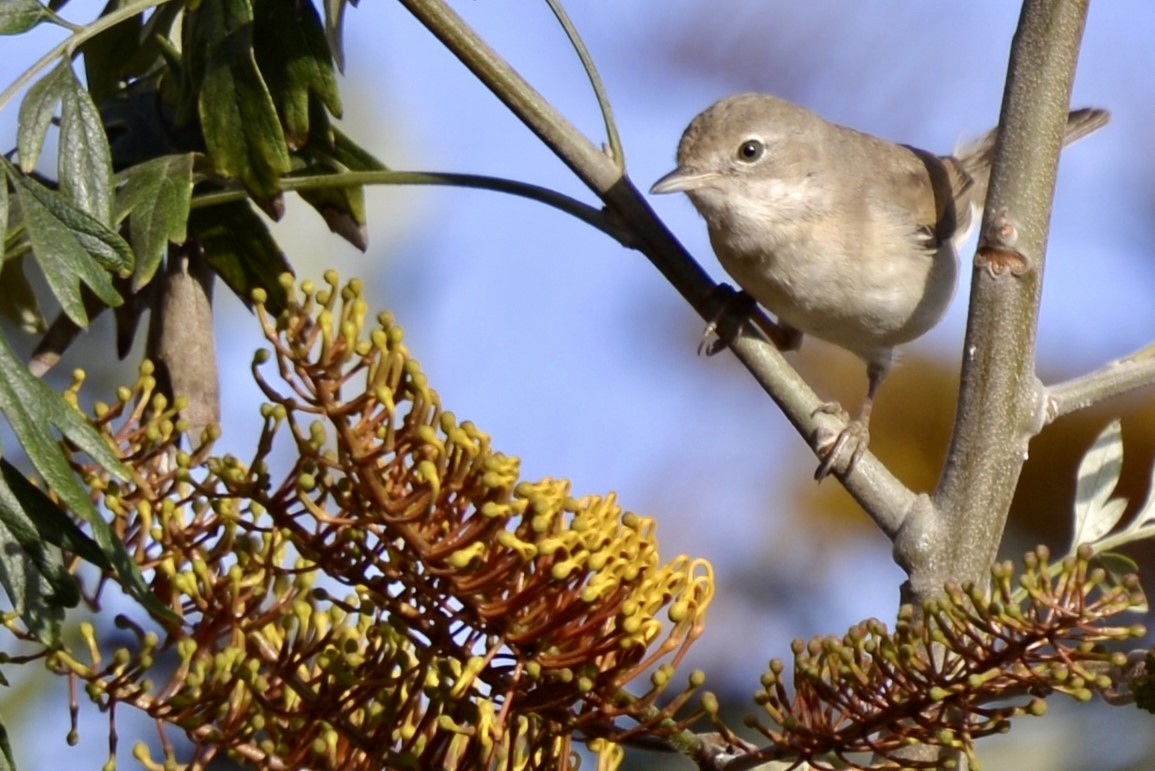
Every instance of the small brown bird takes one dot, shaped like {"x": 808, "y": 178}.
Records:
{"x": 839, "y": 234}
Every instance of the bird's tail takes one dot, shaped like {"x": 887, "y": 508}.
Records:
{"x": 976, "y": 157}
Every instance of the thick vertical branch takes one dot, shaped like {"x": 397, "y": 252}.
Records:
{"x": 998, "y": 403}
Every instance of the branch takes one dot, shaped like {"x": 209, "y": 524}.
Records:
{"x": 998, "y": 400}
{"x": 1112, "y": 379}
{"x": 878, "y": 491}
{"x": 588, "y": 214}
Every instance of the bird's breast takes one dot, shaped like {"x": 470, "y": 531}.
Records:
{"x": 859, "y": 291}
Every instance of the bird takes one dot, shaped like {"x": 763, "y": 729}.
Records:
{"x": 840, "y": 234}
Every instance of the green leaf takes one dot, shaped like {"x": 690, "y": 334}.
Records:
{"x": 109, "y": 57}
{"x": 342, "y": 207}
{"x": 18, "y": 16}
{"x": 36, "y": 113}
{"x": 61, "y": 248}
{"x": 29, "y": 590}
{"x": 6, "y": 761}
{"x": 1095, "y": 512}
{"x": 21, "y": 504}
{"x": 39, "y": 521}
{"x": 85, "y": 163}
{"x": 238, "y": 246}
{"x": 32, "y": 409}
{"x": 294, "y": 59}
{"x": 17, "y": 300}
{"x": 139, "y": 131}
{"x": 3, "y": 216}
{"x": 239, "y": 122}
{"x": 353, "y": 156}
{"x": 97, "y": 238}
{"x": 155, "y": 197}
{"x": 32, "y": 572}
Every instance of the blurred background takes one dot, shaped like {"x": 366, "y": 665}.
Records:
{"x": 575, "y": 355}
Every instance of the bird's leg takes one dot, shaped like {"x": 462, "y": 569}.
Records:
{"x": 856, "y": 435}
{"x": 734, "y": 309}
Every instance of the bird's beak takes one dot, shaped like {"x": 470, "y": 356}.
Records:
{"x": 681, "y": 180}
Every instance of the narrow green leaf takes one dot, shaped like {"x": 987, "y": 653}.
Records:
{"x": 97, "y": 238}
{"x": 138, "y": 131}
{"x": 32, "y": 409}
{"x": 352, "y": 155}
{"x": 7, "y": 763}
{"x": 155, "y": 197}
{"x": 36, "y": 113}
{"x": 114, "y": 56}
{"x": 32, "y": 574}
{"x": 239, "y": 247}
{"x": 20, "y": 529}
{"x": 49, "y": 524}
{"x": 85, "y": 162}
{"x": 62, "y": 257}
{"x": 342, "y": 207}
{"x": 294, "y": 59}
{"x": 29, "y": 591}
{"x": 239, "y": 122}
{"x": 17, "y": 300}
{"x": 18, "y": 16}
{"x": 3, "y": 214}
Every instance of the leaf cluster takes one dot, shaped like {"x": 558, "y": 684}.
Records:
{"x": 176, "y": 100}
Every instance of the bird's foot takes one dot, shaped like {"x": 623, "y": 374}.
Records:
{"x": 732, "y": 309}
{"x": 832, "y": 446}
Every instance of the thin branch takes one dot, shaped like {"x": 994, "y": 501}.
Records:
{"x": 613, "y": 141}
{"x": 583, "y": 211}
{"x": 878, "y": 491}
{"x": 1112, "y": 379}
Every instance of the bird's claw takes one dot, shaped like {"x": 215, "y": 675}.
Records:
{"x": 710, "y": 342}
{"x": 731, "y": 310}
{"x": 831, "y": 447}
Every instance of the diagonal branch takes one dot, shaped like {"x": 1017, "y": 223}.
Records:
{"x": 879, "y": 492}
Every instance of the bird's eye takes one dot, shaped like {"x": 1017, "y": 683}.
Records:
{"x": 751, "y": 150}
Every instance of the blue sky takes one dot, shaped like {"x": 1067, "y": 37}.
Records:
{"x": 574, "y": 354}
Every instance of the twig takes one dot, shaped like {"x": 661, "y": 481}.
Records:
{"x": 588, "y": 214}
{"x": 1112, "y": 379}
{"x": 613, "y": 141}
